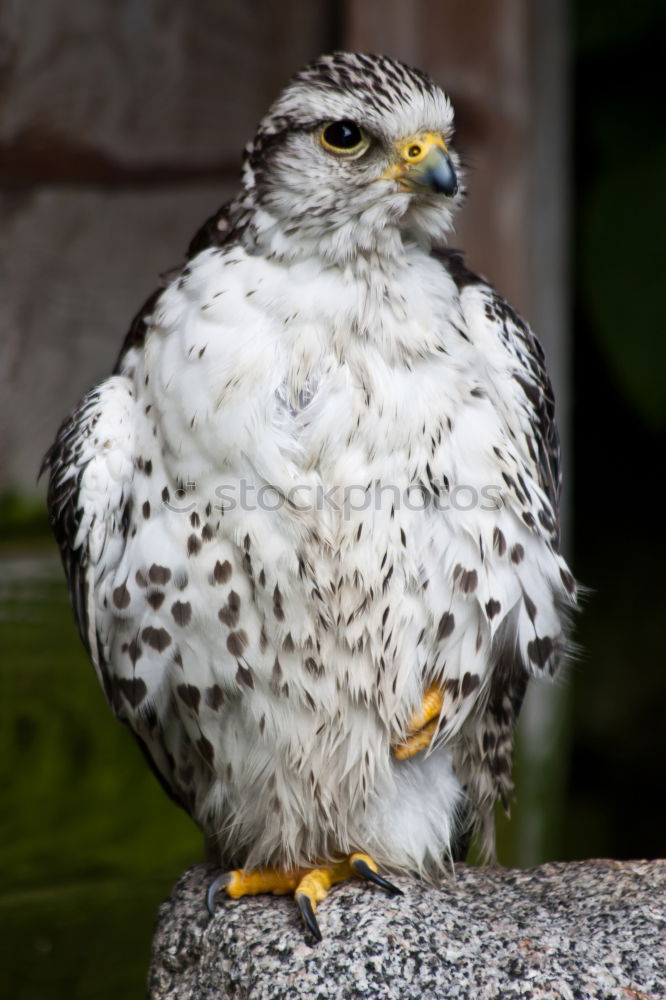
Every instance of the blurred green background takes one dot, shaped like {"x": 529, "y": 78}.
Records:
{"x": 90, "y": 844}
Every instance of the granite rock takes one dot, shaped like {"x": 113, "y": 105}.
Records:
{"x": 573, "y": 931}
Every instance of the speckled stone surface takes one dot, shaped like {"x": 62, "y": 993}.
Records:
{"x": 578, "y": 930}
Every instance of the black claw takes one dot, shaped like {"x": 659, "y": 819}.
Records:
{"x": 213, "y": 889}
{"x": 363, "y": 869}
{"x": 305, "y": 906}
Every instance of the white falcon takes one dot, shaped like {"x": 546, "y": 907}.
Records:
{"x": 310, "y": 522}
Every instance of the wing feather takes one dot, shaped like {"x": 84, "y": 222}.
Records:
{"x": 91, "y": 475}
{"x": 90, "y": 470}
{"x": 514, "y": 377}
{"x": 524, "y": 362}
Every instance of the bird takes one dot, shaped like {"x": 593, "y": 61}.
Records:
{"x": 310, "y": 521}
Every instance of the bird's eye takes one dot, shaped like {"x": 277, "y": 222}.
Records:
{"x": 344, "y": 138}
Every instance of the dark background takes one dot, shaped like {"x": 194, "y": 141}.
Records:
{"x": 618, "y": 690}
{"x": 120, "y": 129}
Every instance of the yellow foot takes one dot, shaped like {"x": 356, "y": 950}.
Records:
{"x": 309, "y": 885}
{"x": 422, "y": 725}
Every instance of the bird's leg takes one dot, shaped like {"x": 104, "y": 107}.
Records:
{"x": 422, "y": 725}
{"x": 309, "y": 885}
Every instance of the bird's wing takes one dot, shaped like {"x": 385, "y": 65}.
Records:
{"x": 526, "y": 387}
{"x": 514, "y": 377}
{"x": 90, "y": 470}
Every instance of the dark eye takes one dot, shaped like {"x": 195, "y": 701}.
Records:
{"x": 344, "y": 137}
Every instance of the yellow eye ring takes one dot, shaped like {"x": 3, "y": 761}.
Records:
{"x": 344, "y": 138}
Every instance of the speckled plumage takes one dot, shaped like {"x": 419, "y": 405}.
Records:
{"x": 265, "y": 515}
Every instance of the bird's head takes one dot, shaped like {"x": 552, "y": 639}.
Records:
{"x": 353, "y": 154}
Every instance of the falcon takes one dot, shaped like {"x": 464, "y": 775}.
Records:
{"x": 310, "y": 521}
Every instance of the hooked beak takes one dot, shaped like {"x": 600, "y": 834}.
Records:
{"x": 423, "y": 164}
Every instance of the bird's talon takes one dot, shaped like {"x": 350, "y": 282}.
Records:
{"x": 213, "y": 889}
{"x": 306, "y": 907}
{"x": 362, "y": 868}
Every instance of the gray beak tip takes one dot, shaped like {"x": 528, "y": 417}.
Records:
{"x": 441, "y": 177}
